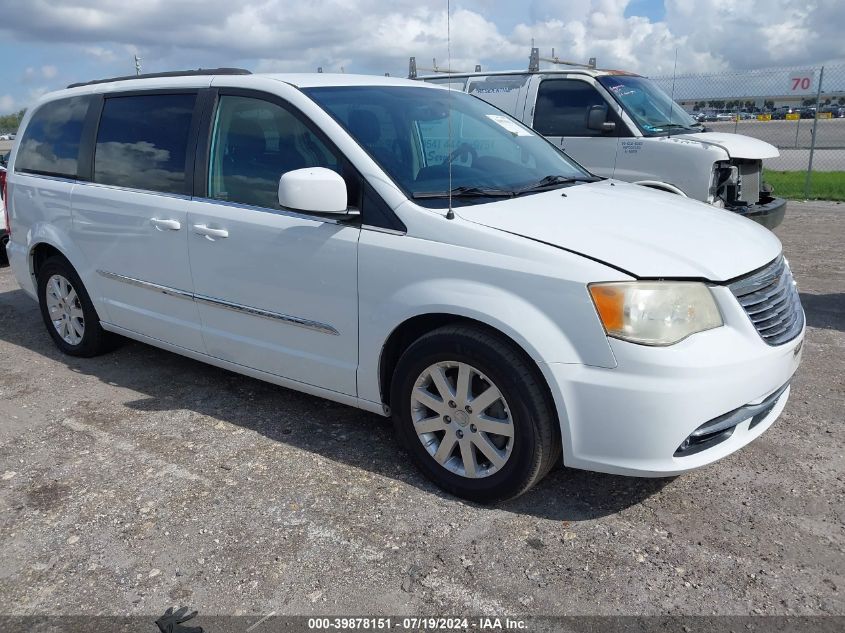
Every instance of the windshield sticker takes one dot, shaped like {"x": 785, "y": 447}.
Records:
{"x": 509, "y": 125}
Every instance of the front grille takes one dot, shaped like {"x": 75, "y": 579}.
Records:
{"x": 770, "y": 299}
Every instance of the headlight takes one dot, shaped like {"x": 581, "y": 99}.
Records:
{"x": 655, "y": 312}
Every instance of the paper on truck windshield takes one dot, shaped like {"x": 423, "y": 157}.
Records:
{"x": 509, "y": 125}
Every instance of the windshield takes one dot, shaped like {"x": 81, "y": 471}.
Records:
{"x": 407, "y": 131}
{"x": 652, "y": 109}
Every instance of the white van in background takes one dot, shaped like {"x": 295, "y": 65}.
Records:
{"x": 620, "y": 125}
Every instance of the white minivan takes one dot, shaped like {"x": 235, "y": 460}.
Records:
{"x": 508, "y": 309}
{"x": 621, "y": 125}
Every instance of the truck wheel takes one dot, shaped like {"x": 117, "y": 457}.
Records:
{"x": 68, "y": 313}
{"x": 472, "y": 413}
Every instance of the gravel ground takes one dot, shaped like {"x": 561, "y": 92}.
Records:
{"x": 143, "y": 479}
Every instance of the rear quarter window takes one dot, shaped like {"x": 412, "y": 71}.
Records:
{"x": 50, "y": 143}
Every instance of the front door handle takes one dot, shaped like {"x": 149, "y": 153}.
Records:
{"x": 169, "y": 225}
{"x": 210, "y": 233}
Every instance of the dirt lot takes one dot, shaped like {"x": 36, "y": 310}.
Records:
{"x": 142, "y": 479}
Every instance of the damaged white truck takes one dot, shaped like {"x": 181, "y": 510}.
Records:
{"x": 621, "y": 125}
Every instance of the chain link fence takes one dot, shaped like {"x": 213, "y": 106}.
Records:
{"x": 801, "y": 111}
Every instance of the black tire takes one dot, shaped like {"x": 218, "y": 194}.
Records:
{"x": 95, "y": 339}
{"x": 536, "y": 441}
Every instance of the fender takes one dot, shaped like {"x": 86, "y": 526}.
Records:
{"x": 527, "y": 324}
{"x": 53, "y": 235}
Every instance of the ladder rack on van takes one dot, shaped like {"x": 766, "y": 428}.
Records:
{"x": 533, "y": 64}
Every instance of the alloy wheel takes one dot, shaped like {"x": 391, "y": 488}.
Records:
{"x": 462, "y": 419}
{"x": 65, "y": 310}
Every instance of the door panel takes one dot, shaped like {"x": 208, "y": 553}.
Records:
{"x": 560, "y": 114}
{"x": 597, "y": 154}
{"x": 134, "y": 260}
{"x": 293, "y": 283}
{"x": 131, "y": 221}
{"x": 277, "y": 290}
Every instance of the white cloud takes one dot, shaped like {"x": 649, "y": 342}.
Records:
{"x": 380, "y": 35}
{"x": 7, "y": 104}
{"x": 100, "y": 53}
{"x": 31, "y": 74}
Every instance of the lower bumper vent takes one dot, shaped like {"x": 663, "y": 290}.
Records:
{"x": 719, "y": 429}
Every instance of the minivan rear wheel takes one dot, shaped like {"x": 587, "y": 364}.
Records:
{"x": 68, "y": 313}
{"x": 473, "y": 414}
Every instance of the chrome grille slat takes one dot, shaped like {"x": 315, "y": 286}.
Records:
{"x": 767, "y": 324}
{"x": 784, "y": 327}
{"x": 771, "y": 316}
{"x": 756, "y": 298}
{"x": 776, "y": 317}
{"x": 759, "y": 313}
{"x": 768, "y": 327}
{"x": 770, "y": 299}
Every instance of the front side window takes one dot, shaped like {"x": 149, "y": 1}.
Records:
{"x": 562, "y": 107}
{"x": 432, "y": 128}
{"x": 50, "y": 144}
{"x": 254, "y": 142}
{"x": 142, "y": 142}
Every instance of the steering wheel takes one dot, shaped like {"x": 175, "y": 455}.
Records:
{"x": 462, "y": 151}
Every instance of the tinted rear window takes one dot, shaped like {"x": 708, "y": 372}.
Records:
{"x": 50, "y": 144}
{"x": 142, "y": 142}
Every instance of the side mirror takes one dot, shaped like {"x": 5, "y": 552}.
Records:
{"x": 597, "y": 119}
{"x": 313, "y": 189}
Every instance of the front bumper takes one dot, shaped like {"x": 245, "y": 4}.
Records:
{"x": 632, "y": 420}
{"x": 769, "y": 211}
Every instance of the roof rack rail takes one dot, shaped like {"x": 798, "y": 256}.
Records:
{"x": 171, "y": 73}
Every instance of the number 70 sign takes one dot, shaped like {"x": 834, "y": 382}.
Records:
{"x": 802, "y": 82}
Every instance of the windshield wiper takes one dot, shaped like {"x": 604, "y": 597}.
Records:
{"x": 466, "y": 192}
{"x": 672, "y": 126}
{"x": 551, "y": 182}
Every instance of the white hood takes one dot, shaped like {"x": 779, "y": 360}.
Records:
{"x": 645, "y": 232}
{"x": 736, "y": 145}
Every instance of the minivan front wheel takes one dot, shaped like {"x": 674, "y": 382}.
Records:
{"x": 472, "y": 413}
{"x": 68, "y": 313}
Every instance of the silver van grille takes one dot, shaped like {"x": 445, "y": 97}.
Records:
{"x": 771, "y": 301}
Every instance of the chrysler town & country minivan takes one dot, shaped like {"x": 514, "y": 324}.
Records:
{"x": 510, "y": 310}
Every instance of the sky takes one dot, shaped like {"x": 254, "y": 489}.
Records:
{"x": 47, "y": 44}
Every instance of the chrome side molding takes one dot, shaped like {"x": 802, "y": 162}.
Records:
{"x": 220, "y": 303}
{"x": 165, "y": 290}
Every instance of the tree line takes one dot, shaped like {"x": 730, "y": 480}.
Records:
{"x": 10, "y": 122}
{"x": 748, "y": 105}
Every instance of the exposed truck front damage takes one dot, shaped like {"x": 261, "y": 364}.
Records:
{"x": 737, "y": 185}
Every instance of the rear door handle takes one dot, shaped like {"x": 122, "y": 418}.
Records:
{"x": 169, "y": 225}
{"x": 207, "y": 231}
